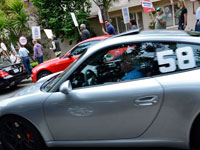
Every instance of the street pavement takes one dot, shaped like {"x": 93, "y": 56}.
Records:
{"x": 8, "y": 92}
{"x": 11, "y": 91}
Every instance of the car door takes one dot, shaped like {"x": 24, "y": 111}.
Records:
{"x": 106, "y": 108}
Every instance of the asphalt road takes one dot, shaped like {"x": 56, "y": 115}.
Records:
{"x": 11, "y": 91}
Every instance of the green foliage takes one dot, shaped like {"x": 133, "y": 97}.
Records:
{"x": 55, "y": 15}
{"x": 13, "y": 21}
{"x": 34, "y": 64}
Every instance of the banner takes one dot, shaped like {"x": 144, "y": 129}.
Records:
{"x": 36, "y": 32}
{"x": 126, "y": 16}
{"x": 49, "y": 33}
{"x": 100, "y": 16}
{"x": 147, "y": 6}
{"x": 74, "y": 19}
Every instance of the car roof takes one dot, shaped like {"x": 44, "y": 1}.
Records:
{"x": 96, "y": 38}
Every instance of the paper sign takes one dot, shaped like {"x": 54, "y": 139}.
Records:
{"x": 3, "y": 46}
{"x": 12, "y": 47}
{"x": 125, "y": 12}
{"x": 100, "y": 16}
{"x": 22, "y": 40}
{"x": 147, "y": 6}
{"x": 36, "y": 32}
{"x": 74, "y": 19}
{"x": 172, "y": 2}
{"x": 49, "y": 33}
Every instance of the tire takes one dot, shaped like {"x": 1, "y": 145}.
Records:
{"x": 43, "y": 74}
{"x": 19, "y": 134}
{"x": 195, "y": 135}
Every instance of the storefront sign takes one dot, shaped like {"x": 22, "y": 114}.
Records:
{"x": 147, "y": 6}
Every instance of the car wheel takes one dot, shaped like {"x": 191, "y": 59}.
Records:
{"x": 43, "y": 74}
{"x": 195, "y": 135}
{"x": 18, "y": 134}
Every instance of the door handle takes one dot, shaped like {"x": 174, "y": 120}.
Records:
{"x": 146, "y": 101}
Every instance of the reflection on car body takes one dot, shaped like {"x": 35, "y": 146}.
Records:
{"x": 90, "y": 105}
{"x": 61, "y": 63}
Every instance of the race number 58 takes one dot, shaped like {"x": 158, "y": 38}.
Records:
{"x": 185, "y": 59}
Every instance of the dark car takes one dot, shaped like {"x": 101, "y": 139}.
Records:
{"x": 11, "y": 74}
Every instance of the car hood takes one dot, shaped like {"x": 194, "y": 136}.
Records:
{"x": 29, "y": 89}
{"x": 45, "y": 64}
{"x": 50, "y": 61}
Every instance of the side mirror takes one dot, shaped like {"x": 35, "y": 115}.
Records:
{"x": 66, "y": 87}
{"x": 68, "y": 55}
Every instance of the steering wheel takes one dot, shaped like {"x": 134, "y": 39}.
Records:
{"x": 90, "y": 78}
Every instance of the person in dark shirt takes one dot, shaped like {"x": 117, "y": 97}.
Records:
{"x": 182, "y": 15}
{"x": 110, "y": 30}
{"x": 85, "y": 34}
{"x": 55, "y": 46}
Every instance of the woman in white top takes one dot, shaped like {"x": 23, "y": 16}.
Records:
{"x": 197, "y": 26}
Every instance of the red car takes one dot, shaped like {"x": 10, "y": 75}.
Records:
{"x": 61, "y": 63}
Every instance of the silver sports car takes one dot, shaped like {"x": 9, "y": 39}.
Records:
{"x": 139, "y": 88}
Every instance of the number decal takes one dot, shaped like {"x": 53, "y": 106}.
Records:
{"x": 163, "y": 61}
{"x": 185, "y": 59}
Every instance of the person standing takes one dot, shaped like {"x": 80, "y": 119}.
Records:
{"x": 38, "y": 51}
{"x": 55, "y": 46}
{"x": 197, "y": 26}
{"x": 14, "y": 58}
{"x": 133, "y": 24}
{"x": 160, "y": 22}
{"x": 182, "y": 15}
{"x": 85, "y": 34}
{"x": 23, "y": 53}
{"x": 110, "y": 30}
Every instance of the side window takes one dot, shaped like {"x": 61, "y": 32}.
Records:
{"x": 82, "y": 48}
{"x": 117, "y": 64}
{"x": 174, "y": 57}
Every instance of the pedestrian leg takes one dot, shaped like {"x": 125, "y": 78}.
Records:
{"x": 26, "y": 65}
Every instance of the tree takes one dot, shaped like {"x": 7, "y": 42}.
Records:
{"x": 13, "y": 21}
{"x": 106, "y": 5}
{"x": 55, "y": 15}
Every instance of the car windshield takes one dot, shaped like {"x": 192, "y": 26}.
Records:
{"x": 47, "y": 86}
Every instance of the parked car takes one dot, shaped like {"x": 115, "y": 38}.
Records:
{"x": 61, "y": 63}
{"x": 11, "y": 74}
{"x": 98, "y": 101}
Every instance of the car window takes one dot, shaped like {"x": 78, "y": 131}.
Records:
{"x": 175, "y": 57}
{"x": 82, "y": 48}
{"x": 117, "y": 64}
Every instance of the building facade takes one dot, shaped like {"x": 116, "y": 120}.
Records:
{"x": 143, "y": 20}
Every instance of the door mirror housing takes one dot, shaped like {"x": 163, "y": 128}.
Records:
{"x": 68, "y": 55}
{"x": 66, "y": 87}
